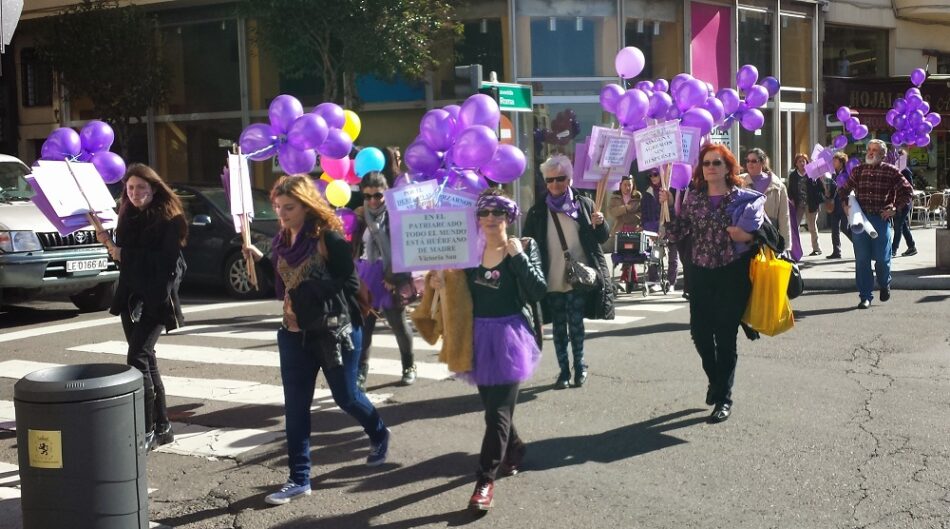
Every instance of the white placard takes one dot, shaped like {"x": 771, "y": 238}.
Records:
{"x": 658, "y": 145}
{"x": 615, "y": 151}
{"x": 433, "y": 239}
{"x": 67, "y": 195}
{"x": 420, "y": 195}
{"x": 450, "y": 198}
{"x": 239, "y": 185}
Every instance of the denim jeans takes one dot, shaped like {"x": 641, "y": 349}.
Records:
{"x": 867, "y": 249}
{"x": 902, "y": 228}
{"x": 298, "y": 373}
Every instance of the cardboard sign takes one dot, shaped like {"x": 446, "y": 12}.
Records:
{"x": 658, "y": 145}
{"x": 451, "y": 198}
{"x": 240, "y": 197}
{"x": 615, "y": 151}
{"x": 691, "y": 143}
{"x": 68, "y": 195}
{"x": 588, "y": 165}
{"x": 433, "y": 239}
{"x": 817, "y": 169}
{"x": 421, "y": 195}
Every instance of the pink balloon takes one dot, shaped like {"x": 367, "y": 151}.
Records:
{"x": 609, "y": 96}
{"x": 283, "y": 110}
{"x": 336, "y": 168}
{"x": 110, "y": 165}
{"x": 629, "y": 62}
{"x": 475, "y": 146}
{"x": 506, "y": 165}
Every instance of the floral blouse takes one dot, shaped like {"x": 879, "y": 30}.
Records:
{"x": 705, "y": 224}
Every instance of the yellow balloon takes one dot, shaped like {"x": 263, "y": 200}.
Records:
{"x": 326, "y": 178}
{"x": 338, "y": 193}
{"x": 352, "y": 125}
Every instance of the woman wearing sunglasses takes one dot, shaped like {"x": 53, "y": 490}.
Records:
{"x": 390, "y": 292}
{"x": 584, "y": 231}
{"x": 624, "y": 208}
{"x": 760, "y": 177}
{"x": 720, "y": 217}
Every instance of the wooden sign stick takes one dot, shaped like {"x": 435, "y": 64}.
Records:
{"x": 93, "y": 219}
{"x": 665, "y": 184}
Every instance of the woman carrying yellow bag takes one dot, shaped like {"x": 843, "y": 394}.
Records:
{"x": 769, "y": 310}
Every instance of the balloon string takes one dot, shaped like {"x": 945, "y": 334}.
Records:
{"x": 259, "y": 151}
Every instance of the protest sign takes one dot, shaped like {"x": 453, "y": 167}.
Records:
{"x": 615, "y": 152}
{"x": 691, "y": 143}
{"x": 412, "y": 196}
{"x": 240, "y": 198}
{"x": 69, "y": 195}
{"x": 433, "y": 239}
{"x": 658, "y": 145}
{"x": 450, "y": 198}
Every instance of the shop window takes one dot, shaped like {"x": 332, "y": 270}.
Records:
{"x": 568, "y": 38}
{"x": 204, "y": 62}
{"x": 756, "y": 27}
{"x": 656, "y": 28}
{"x": 851, "y": 51}
{"x": 796, "y": 34}
{"x": 37, "y": 79}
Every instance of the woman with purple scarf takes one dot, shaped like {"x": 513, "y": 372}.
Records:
{"x": 584, "y": 230}
{"x": 759, "y": 176}
{"x": 720, "y": 217}
{"x": 505, "y": 289}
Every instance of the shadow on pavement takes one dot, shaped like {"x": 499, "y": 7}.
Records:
{"x": 16, "y": 316}
{"x": 639, "y": 331}
{"x": 934, "y": 298}
{"x": 802, "y": 314}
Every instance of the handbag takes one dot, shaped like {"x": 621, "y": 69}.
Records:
{"x": 577, "y": 274}
{"x": 404, "y": 291}
{"x": 768, "y": 310}
{"x": 796, "y": 285}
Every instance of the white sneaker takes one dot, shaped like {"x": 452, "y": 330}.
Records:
{"x": 672, "y": 290}
{"x": 289, "y": 492}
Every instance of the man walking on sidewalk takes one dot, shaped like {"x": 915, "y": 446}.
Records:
{"x": 881, "y": 191}
{"x": 902, "y": 220}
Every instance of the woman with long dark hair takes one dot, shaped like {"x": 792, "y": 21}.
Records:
{"x": 149, "y": 236}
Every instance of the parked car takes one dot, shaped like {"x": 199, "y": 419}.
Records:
{"x": 36, "y": 261}
{"x": 213, "y": 252}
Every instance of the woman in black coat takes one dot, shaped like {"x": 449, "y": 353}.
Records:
{"x": 149, "y": 236}
{"x": 584, "y": 231}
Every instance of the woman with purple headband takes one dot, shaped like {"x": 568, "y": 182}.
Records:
{"x": 505, "y": 290}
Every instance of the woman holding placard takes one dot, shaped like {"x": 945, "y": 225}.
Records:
{"x": 624, "y": 208}
{"x": 566, "y": 225}
{"x": 719, "y": 216}
{"x": 760, "y": 177}
{"x": 651, "y": 222}
{"x": 150, "y": 234}
{"x": 322, "y": 325}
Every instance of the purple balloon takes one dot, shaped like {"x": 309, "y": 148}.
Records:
{"x": 259, "y": 138}
{"x": 747, "y": 76}
{"x": 673, "y": 113}
{"x": 475, "y": 146}
{"x": 632, "y": 107}
{"x": 933, "y": 118}
{"x": 506, "y": 165}
{"x": 110, "y": 165}
{"x": 699, "y": 118}
{"x": 466, "y": 180}
{"x": 421, "y": 158}
{"x": 629, "y": 62}
{"x": 852, "y": 163}
{"x": 65, "y": 143}
{"x": 85, "y": 156}
{"x": 918, "y": 76}
{"x": 677, "y": 80}
{"x": 347, "y": 216}
{"x": 660, "y": 103}
{"x": 453, "y": 110}
{"x": 923, "y": 140}
{"x": 730, "y": 100}
{"x": 690, "y": 93}
{"x": 715, "y": 108}
{"x": 851, "y": 123}
{"x": 913, "y": 101}
{"x": 96, "y": 136}
{"x": 437, "y": 129}
{"x": 49, "y": 151}
{"x": 728, "y": 123}
{"x": 900, "y": 105}
{"x": 479, "y": 109}
{"x": 661, "y": 85}
{"x": 332, "y": 113}
{"x": 843, "y": 114}
{"x": 924, "y": 128}
{"x": 644, "y": 85}
{"x": 337, "y": 145}
{"x": 295, "y": 161}
{"x": 914, "y": 118}
{"x": 772, "y": 85}
{"x": 752, "y": 119}
{"x": 283, "y": 110}
{"x": 756, "y": 96}
{"x": 860, "y": 132}
{"x": 841, "y": 141}
{"x": 609, "y": 96}
{"x": 309, "y": 131}
{"x": 889, "y": 117}
{"x": 321, "y": 185}
{"x": 912, "y": 91}
{"x": 924, "y": 107}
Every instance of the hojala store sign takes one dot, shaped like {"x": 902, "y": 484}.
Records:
{"x": 879, "y": 94}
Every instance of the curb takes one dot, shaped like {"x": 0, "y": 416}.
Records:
{"x": 898, "y": 282}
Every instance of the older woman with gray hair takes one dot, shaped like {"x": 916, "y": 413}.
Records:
{"x": 566, "y": 223}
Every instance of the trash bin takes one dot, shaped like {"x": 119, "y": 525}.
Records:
{"x": 81, "y": 447}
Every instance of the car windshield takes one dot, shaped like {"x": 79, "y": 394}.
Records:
{"x": 262, "y": 206}
{"x": 13, "y": 185}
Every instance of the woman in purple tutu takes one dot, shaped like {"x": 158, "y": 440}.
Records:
{"x": 506, "y": 288}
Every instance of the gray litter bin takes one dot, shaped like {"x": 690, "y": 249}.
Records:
{"x": 80, "y": 442}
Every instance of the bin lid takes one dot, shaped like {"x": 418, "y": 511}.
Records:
{"x": 78, "y": 383}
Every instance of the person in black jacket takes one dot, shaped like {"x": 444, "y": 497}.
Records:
{"x": 149, "y": 236}
{"x": 322, "y": 325}
{"x": 901, "y": 220}
{"x": 584, "y": 231}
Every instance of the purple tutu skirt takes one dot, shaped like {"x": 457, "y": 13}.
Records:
{"x": 504, "y": 353}
{"x": 371, "y": 274}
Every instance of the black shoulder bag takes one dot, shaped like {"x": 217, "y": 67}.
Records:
{"x": 580, "y": 276}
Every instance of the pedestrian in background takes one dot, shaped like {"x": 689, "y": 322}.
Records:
{"x": 837, "y": 220}
{"x": 624, "y": 210}
{"x": 584, "y": 230}
{"x": 719, "y": 216}
{"x": 759, "y": 176}
{"x": 651, "y": 222}
{"x": 901, "y": 220}
{"x": 149, "y": 236}
{"x": 393, "y": 165}
{"x": 390, "y": 292}
{"x": 807, "y": 196}
{"x": 322, "y": 325}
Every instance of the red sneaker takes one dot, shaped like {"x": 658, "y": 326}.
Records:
{"x": 482, "y": 498}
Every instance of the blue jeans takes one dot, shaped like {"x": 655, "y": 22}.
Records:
{"x": 298, "y": 373}
{"x": 879, "y": 250}
{"x": 902, "y": 228}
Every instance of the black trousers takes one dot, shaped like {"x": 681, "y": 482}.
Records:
{"x": 500, "y": 434}
{"x": 717, "y": 300}
{"x": 142, "y": 337}
{"x": 396, "y": 317}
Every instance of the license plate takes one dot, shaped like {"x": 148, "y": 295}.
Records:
{"x": 87, "y": 264}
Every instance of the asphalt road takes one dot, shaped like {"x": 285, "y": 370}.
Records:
{"x": 844, "y": 422}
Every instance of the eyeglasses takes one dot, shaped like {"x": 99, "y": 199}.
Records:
{"x": 752, "y": 160}
{"x": 715, "y": 163}
{"x": 370, "y": 196}
{"x": 558, "y": 179}
{"x": 493, "y": 212}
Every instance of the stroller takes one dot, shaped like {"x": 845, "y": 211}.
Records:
{"x": 640, "y": 248}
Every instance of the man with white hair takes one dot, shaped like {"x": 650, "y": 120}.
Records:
{"x": 881, "y": 191}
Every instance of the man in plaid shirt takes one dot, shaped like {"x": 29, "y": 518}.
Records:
{"x": 881, "y": 191}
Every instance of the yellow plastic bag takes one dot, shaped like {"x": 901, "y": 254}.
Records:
{"x": 769, "y": 310}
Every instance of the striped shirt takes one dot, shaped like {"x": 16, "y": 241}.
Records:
{"x": 877, "y": 187}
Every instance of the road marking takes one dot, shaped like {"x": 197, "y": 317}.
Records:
{"x": 203, "y": 441}
{"x": 7, "y": 415}
{"x": 64, "y": 327}
{"x": 379, "y": 340}
{"x": 648, "y": 307}
{"x": 251, "y": 357}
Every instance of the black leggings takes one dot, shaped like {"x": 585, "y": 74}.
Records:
{"x": 142, "y": 337}
{"x": 500, "y": 434}
{"x": 717, "y": 300}
{"x": 400, "y": 327}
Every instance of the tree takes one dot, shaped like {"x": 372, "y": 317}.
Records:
{"x": 342, "y": 38}
{"x": 110, "y": 55}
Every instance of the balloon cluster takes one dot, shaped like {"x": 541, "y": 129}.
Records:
{"x": 564, "y": 127}
{"x": 746, "y": 111}
{"x": 297, "y": 137}
{"x": 852, "y": 126}
{"x": 458, "y": 146}
{"x": 91, "y": 144}
{"x": 911, "y": 116}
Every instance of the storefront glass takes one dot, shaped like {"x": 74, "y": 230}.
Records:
{"x": 756, "y": 27}
{"x": 566, "y": 39}
{"x": 656, "y": 28}
{"x": 205, "y": 71}
{"x": 194, "y": 151}
{"x": 853, "y": 51}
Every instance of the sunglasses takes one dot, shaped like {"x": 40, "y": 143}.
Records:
{"x": 716, "y": 163}
{"x": 753, "y": 160}
{"x": 558, "y": 179}
{"x": 370, "y": 196}
{"x": 493, "y": 212}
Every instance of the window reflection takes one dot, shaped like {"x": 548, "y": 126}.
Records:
{"x": 755, "y": 39}
{"x": 855, "y": 51}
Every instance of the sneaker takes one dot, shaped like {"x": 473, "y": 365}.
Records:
{"x": 408, "y": 376}
{"x": 378, "y": 451}
{"x": 580, "y": 375}
{"x": 289, "y": 492}
{"x": 833, "y": 256}
{"x": 910, "y": 251}
{"x": 482, "y": 497}
{"x": 671, "y": 290}
{"x": 885, "y": 294}
{"x": 563, "y": 380}
{"x": 164, "y": 434}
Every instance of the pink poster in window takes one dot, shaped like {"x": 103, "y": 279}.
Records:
{"x": 711, "y": 47}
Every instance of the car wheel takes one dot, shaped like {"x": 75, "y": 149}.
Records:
{"x": 94, "y": 299}
{"x": 236, "y": 279}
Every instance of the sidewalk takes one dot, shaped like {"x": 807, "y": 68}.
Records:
{"x": 907, "y": 273}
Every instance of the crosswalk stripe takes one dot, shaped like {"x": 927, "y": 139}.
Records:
{"x": 7, "y": 415}
{"x": 648, "y": 307}
{"x": 9, "y": 475}
{"x": 203, "y": 441}
{"x": 252, "y": 357}
{"x": 387, "y": 341}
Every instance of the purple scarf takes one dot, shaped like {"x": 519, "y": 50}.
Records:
{"x": 563, "y": 204}
{"x": 295, "y": 254}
